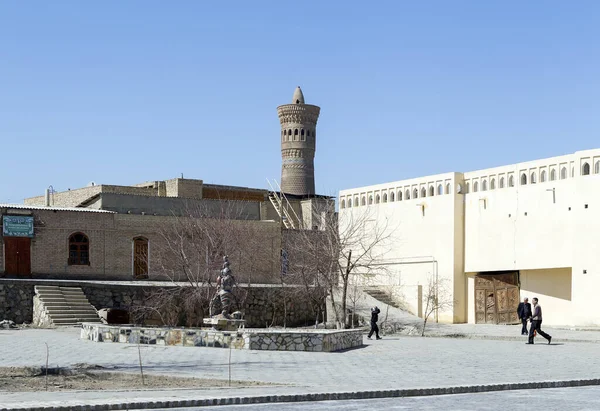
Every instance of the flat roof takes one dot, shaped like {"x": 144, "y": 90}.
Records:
{"x": 51, "y": 208}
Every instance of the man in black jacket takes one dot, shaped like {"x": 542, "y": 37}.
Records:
{"x": 374, "y": 329}
{"x": 524, "y": 312}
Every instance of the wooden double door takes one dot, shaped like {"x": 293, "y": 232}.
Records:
{"x": 17, "y": 255}
{"x": 497, "y": 298}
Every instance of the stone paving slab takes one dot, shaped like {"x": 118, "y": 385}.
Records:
{"x": 390, "y": 364}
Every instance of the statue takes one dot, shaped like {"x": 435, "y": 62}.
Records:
{"x": 224, "y": 296}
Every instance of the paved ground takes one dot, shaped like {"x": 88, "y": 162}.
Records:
{"x": 563, "y": 399}
{"x": 392, "y": 363}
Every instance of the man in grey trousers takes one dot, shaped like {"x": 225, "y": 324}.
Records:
{"x": 536, "y": 323}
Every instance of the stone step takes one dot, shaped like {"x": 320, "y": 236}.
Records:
{"x": 66, "y": 306}
{"x": 67, "y": 314}
{"x": 51, "y": 299}
{"x": 47, "y": 287}
{"x": 72, "y": 292}
{"x": 66, "y": 303}
{"x": 83, "y": 299}
{"x": 49, "y": 293}
{"x": 73, "y": 320}
{"x": 61, "y": 323}
{"x": 58, "y": 313}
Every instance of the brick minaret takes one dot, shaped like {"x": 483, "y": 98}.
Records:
{"x": 298, "y": 144}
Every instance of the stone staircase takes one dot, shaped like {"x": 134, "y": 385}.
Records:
{"x": 61, "y": 306}
{"x": 383, "y": 296}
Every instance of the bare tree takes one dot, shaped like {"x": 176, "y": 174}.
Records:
{"x": 438, "y": 297}
{"x": 189, "y": 252}
{"x": 351, "y": 244}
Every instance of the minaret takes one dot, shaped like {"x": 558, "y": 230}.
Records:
{"x": 298, "y": 143}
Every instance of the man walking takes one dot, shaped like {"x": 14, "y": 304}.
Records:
{"x": 536, "y": 323}
{"x": 524, "y": 313}
{"x": 374, "y": 329}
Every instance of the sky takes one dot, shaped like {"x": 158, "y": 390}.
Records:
{"x": 125, "y": 92}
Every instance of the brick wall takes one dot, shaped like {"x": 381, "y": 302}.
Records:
{"x": 111, "y": 245}
{"x": 73, "y": 198}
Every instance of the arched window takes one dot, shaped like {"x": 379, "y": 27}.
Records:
{"x": 572, "y": 171}
{"x": 355, "y": 201}
{"x": 511, "y": 181}
{"x": 343, "y": 204}
{"x": 563, "y": 173}
{"x": 385, "y": 197}
{"x": 140, "y": 257}
{"x": 467, "y": 188}
{"x": 533, "y": 179}
{"x": 407, "y": 195}
{"x": 349, "y": 203}
{"x": 475, "y": 186}
{"x": 307, "y": 133}
{"x": 423, "y": 192}
{"x": 363, "y": 201}
{"x": 415, "y": 193}
{"x": 552, "y": 175}
{"x": 431, "y": 191}
{"x": 448, "y": 188}
{"x": 399, "y": 195}
{"x": 543, "y": 176}
{"x": 484, "y": 185}
{"x": 493, "y": 184}
{"x": 586, "y": 169}
{"x": 440, "y": 190}
{"x": 302, "y": 137}
{"x": 597, "y": 167}
{"x": 79, "y": 249}
{"x": 289, "y": 133}
{"x": 377, "y": 199}
{"x": 370, "y": 200}
{"x": 523, "y": 179}
{"x": 295, "y": 134}
{"x": 501, "y": 182}
{"x": 392, "y": 196}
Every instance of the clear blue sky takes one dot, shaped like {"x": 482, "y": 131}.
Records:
{"x": 125, "y": 92}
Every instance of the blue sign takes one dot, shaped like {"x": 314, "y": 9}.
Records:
{"x": 17, "y": 226}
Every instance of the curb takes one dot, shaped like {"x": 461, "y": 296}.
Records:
{"x": 358, "y": 395}
{"x": 459, "y": 336}
{"x": 501, "y": 338}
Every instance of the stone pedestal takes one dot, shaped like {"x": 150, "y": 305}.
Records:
{"x": 224, "y": 324}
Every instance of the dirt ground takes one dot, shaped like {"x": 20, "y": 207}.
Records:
{"x": 90, "y": 377}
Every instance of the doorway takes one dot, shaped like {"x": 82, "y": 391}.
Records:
{"x": 497, "y": 298}
{"x": 140, "y": 258}
{"x": 17, "y": 256}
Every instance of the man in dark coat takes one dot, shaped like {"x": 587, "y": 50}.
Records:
{"x": 374, "y": 329}
{"x": 536, "y": 323}
{"x": 524, "y": 312}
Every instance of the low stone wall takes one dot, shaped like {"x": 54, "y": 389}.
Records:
{"x": 262, "y": 304}
{"x": 248, "y": 339}
{"x": 16, "y": 302}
